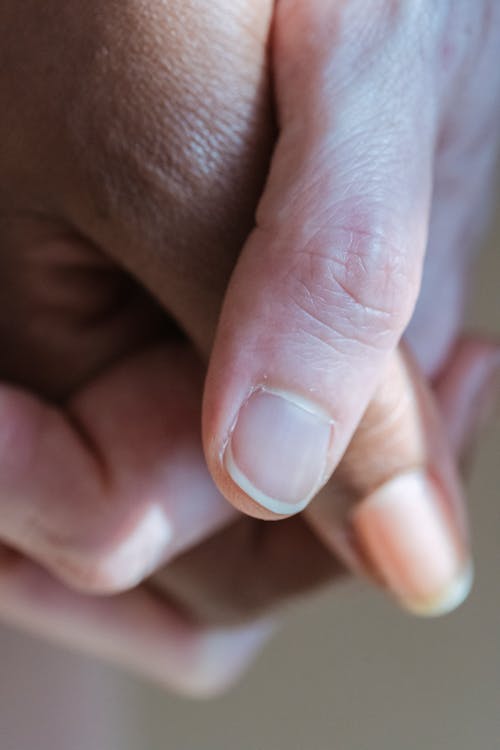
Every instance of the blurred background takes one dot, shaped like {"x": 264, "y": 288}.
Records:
{"x": 348, "y": 672}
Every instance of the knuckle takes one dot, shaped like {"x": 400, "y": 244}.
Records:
{"x": 117, "y": 561}
{"x": 365, "y": 289}
{"x": 87, "y": 575}
{"x": 99, "y": 575}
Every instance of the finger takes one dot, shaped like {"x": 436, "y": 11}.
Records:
{"x": 463, "y": 201}
{"x": 136, "y": 630}
{"x": 395, "y": 508}
{"x": 468, "y": 392}
{"x": 252, "y": 565}
{"x": 248, "y": 570}
{"x": 103, "y": 496}
{"x": 328, "y": 280}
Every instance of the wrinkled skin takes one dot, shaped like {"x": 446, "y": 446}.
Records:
{"x": 132, "y": 157}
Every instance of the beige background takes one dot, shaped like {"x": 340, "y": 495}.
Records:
{"x": 350, "y": 673}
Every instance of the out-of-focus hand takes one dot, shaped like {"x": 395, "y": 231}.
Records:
{"x": 134, "y": 142}
{"x": 198, "y": 623}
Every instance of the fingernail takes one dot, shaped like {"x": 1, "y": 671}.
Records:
{"x": 404, "y": 532}
{"x": 278, "y": 450}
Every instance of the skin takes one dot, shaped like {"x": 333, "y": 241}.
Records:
{"x": 388, "y": 136}
{"x": 122, "y": 219}
{"x": 126, "y": 163}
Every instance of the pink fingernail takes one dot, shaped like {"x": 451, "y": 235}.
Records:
{"x": 278, "y": 451}
{"x": 403, "y": 529}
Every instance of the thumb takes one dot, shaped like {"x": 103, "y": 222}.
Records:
{"x": 328, "y": 279}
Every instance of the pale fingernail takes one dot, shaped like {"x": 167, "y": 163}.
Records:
{"x": 278, "y": 450}
{"x": 403, "y": 529}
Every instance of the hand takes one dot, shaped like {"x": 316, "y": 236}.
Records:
{"x": 388, "y": 132}
{"x": 89, "y": 546}
{"x": 240, "y": 573}
{"x": 77, "y": 158}
{"x": 112, "y": 167}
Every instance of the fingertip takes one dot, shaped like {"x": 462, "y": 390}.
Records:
{"x": 277, "y": 451}
{"x": 446, "y": 601}
{"x": 414, "y": 545}
{"x": 126, "y": 560}
{"x": 222, "y": 657}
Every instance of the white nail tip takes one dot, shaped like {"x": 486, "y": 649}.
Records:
{"x": 299, "y": 401}
{"x": 275, "y": 506}
{"x": 448, "y": 600}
